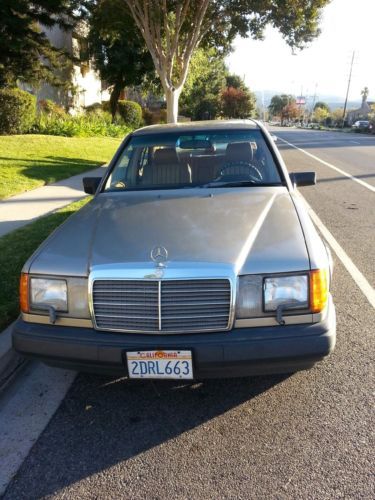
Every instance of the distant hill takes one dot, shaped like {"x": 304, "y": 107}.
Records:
{"x": 334, "y": 105}
{"x": 333, "y": 102}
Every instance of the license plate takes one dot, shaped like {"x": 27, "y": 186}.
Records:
{"x": 160, "y": 364}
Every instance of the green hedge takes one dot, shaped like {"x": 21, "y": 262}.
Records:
{"x": 51, "y": 108}
{"x": 90, "y": 125}
{"x": 131, "y": 113}
{"x": 154, "y": 117}
{"x": 17, "y": 111}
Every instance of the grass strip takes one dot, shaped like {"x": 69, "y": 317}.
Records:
{"x": 16, "y": 247}
{"x": 31, "y": 161}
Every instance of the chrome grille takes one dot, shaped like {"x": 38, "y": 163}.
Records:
{"x": 165, "y": 305}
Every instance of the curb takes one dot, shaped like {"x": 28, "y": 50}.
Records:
{"x": 11, "y": 363}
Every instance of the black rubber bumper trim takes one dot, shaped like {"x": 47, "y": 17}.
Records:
{"x": 239, "y": 352}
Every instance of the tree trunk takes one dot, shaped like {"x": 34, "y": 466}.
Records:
{"x": 172, "y": 97}
{"x": 113, "y": 100}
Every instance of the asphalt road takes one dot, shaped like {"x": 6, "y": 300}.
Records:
{"x": 308, "y": 435}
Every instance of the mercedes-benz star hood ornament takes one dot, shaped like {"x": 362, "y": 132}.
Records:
{"x": 159, "y": 255}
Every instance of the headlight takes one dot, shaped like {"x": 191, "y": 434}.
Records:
{"x": 48, "y": 292}
{"x": 260, "y": 296}
{"x": 286, "y": 290}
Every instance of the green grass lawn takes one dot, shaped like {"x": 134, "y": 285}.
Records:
{"x": 15, "y": 248}
{"x": 30, "y": 161}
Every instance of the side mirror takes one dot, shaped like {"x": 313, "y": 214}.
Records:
{"x": 91, "y": 184}
{"x": 300, "y": 179}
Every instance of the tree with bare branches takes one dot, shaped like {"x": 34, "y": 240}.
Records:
{"x": 170, "y": 42}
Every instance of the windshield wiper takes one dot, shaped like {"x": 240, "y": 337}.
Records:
{"x": 220, "y": 184}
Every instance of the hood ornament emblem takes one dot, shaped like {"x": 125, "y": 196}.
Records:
{"x": 159, "y": 255}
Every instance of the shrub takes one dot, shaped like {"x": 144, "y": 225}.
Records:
{"x": 207, "y": 108}
{"x": 94, "y": 108}
{"x": 97, "y": 113}
{"x": 147, "y": 116}
{"x": 130, "y": 112}
{"x": 154, "y": 117}
{"x": 106, "y": 106}
{"x": 51, "y": 108}
{"x": 90, "y": 125}
{"x": 237, "y": 103}
{"x": 17, "y": 111}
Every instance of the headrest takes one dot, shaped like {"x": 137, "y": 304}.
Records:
{"x": 239, "y": 151}
{"x": 165, "y": 156}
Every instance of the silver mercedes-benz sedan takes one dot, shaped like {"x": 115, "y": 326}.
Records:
{"x": 196, "y": 258}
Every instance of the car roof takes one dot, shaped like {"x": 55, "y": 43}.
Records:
{"x": 198, "y": 127}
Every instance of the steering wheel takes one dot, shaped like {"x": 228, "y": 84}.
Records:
{"x": 245, "y": 170}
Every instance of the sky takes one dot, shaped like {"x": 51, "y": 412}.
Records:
{"x": 346, "y": 26}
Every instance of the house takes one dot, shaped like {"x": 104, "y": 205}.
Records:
{"x": 83, "y": 84}
{"x": 361, "y": 113}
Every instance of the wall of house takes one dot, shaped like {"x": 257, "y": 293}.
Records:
{"x": 88, "y": 87}
{"x": 358, "y": 114}
{"x": 62, "y": 40}
{"x": 85, "y": 83}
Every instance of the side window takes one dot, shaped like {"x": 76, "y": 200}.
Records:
{"x": 118, "y": 176}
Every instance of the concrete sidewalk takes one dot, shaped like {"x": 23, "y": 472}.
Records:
{"x": 21, "y": 209}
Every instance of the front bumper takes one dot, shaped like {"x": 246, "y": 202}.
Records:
{"x": 239, "y": 352}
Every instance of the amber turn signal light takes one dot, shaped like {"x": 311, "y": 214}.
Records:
{"x": 319, "y": 287}
{"x": 24, "y": 293}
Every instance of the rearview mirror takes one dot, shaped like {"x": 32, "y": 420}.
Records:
{"x": 91, "y": 184}
{"x": 196, "y": 144}
{"x": 300, "y": 179}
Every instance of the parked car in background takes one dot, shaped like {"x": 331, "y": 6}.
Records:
{"x": 314, "y": 125}
{"x": 196, "y": 258}
{"x": 361, "y": 126}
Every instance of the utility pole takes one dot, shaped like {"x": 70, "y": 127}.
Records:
{"x": 313, "y": 103}
{"x": 263, "y": 108}
{"x": 347, "y": 90}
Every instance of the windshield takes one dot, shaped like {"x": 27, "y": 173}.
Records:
{"x": 212, "y": 159}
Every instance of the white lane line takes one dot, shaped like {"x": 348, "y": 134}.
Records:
{"x": 342, "y": 172}
{"x": 25, "y": 410}
{"x": 352, "y": 269}
{"x": 355, "y": 142}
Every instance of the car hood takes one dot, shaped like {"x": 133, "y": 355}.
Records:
{"x": 254, "y": 230}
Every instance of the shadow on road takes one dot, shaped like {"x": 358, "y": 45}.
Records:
{"x": 103, "y": 422}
